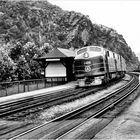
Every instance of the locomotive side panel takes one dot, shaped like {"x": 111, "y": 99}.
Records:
{"x": 111, "y": 62}
{"x": 118, "y": 59}
{"x": 123, "y": 64}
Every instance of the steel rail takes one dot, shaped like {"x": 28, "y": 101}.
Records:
{"x": 74, "y": 112}
{"x": 16, "y": 101}
{"x": 24, "y": 104}
{"x": 13, "y": 107}
{"x": 102, "y": 110}
{"x": 34, "y": 102}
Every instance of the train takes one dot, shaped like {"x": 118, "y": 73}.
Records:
{"x": 95, "y": 65}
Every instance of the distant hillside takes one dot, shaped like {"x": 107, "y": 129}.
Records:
{"x": 28, "y": 29}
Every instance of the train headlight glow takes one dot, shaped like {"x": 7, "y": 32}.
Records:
{"x": 87, "y": 69}
{"x": 86, "y": 55}
{"x": 87, "y": 62}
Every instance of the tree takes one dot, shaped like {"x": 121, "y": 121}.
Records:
{"x": 7, "y": 65}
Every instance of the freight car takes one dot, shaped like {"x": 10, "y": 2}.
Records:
{"x": 95, "y": 65}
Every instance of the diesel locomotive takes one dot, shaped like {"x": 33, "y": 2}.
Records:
{"x": 95, "y": 65}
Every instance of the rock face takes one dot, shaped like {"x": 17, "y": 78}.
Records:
{"x": 41, "y": 26}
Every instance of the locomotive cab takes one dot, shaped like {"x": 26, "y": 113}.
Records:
{"x": 89, "y": 66}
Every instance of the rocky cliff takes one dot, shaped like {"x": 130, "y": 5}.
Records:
{"x": 30, "y": 28}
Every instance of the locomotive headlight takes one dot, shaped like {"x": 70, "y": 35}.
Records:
{"x": 87, "y": 69}
{"x": 87, "y": 62}
{"x": 86, "y": 55}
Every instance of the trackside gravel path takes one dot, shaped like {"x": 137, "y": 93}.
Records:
{"x": 124, "y": 127}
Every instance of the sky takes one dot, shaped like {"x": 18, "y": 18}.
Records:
{"x": 121, "y": 15}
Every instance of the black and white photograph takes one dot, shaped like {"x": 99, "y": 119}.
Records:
{"x": 69, "y": 69}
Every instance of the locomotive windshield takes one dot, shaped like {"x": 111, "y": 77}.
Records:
{"x": 82, "y": 50}
{"x": 95, "y": 49}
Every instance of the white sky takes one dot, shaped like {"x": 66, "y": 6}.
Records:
{"x": 121, "y": 15}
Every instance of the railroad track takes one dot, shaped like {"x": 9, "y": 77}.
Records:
{"x": 72, "y": 125}
{"x": 26, "y": 106}
{"x": 31, "y": 102}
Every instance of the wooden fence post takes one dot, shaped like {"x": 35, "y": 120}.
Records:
{"x": 18, "y": 87}
{"x": 28, "y": 85}
{"x": 6, "y": 90}
{"x": 24, "y": 86}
